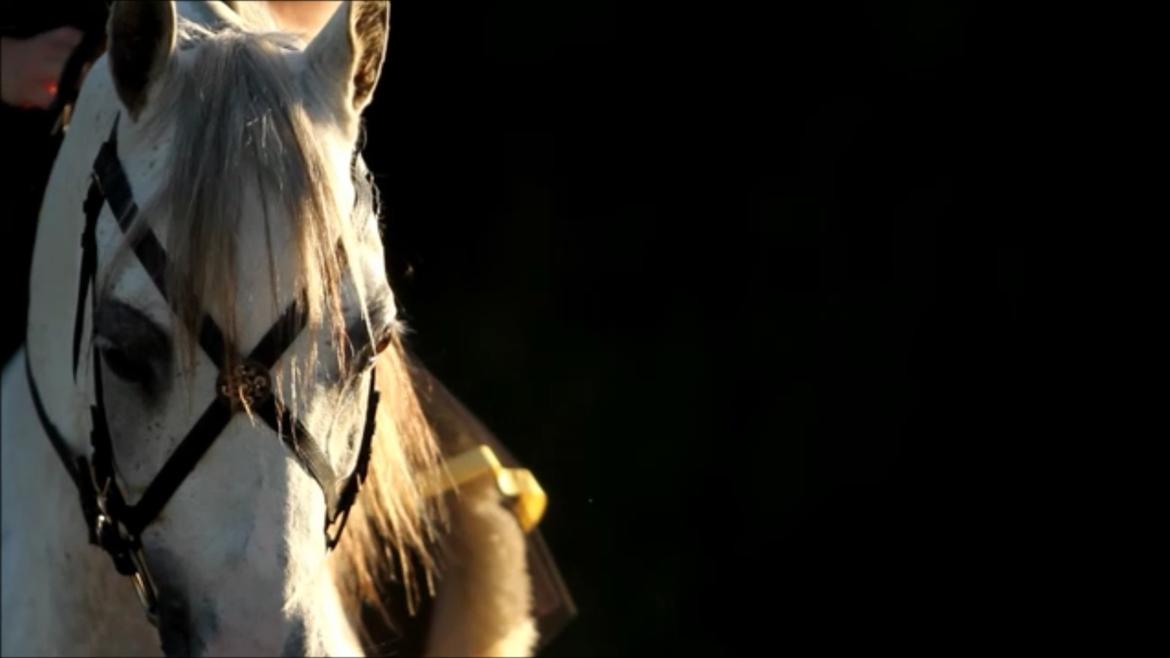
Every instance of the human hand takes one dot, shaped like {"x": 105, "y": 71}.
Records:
{"x": 30, "y": 68}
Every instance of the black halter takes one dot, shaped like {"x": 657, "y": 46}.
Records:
{"x": 117, "y": 526}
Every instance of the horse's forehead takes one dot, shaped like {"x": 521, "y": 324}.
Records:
{"x": 130, "y": 282}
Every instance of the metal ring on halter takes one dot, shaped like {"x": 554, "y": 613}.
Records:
{"x": 248, "y": 384}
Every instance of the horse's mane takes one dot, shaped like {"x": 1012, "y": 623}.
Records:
{"x": 237, "y": 119}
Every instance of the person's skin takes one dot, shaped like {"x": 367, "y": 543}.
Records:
{"x": 303, "y": 16}
{"x": 30, "y": 68}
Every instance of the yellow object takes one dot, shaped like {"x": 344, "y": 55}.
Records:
{"x": 523, "y": 493}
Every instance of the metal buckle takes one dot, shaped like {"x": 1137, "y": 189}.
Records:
{"x": 144, "y": 586}
{"x": 127, "y": 552}
{"x": 249, "y": 385}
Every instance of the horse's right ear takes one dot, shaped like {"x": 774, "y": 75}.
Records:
{"x": 345, "y": 58}
{"x": 141, "y": 41}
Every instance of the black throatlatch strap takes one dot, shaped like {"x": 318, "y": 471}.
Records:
{"x": 77, "y": 467}
{"x": 93, "y": 208}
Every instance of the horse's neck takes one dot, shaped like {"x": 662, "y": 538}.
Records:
{"x": 60, "y": 594}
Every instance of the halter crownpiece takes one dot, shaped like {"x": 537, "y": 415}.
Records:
{"x": 245, "y": 385}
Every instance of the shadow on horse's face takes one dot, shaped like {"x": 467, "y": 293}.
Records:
{"x": 189, "y": 625}
{"x": 181, "y": 627}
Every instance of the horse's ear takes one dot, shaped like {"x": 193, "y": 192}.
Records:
{"x": 141, "y": 40}
{"x": 345, "y": 58}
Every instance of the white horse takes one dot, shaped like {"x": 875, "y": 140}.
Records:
{"x": 237, "y": 144}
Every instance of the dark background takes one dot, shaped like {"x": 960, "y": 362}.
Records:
{"x": 740, "y": 286}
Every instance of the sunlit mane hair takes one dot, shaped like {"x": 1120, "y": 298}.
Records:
{"x": 237, "y": 119}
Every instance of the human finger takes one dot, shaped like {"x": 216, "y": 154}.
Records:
{"x": 64, "y": 38}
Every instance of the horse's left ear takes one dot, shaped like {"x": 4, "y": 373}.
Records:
{"x": 141, "y": 41}
{"x": 345, "y": 58}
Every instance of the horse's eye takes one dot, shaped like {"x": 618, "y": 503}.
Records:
{"x": 365, "y": 357}
{"x": 130, "y": 367}
{"x": 383, "y": 342}
{"x": 133, "y": 347}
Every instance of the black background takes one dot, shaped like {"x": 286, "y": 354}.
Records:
{"x": 738, "y": 283}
